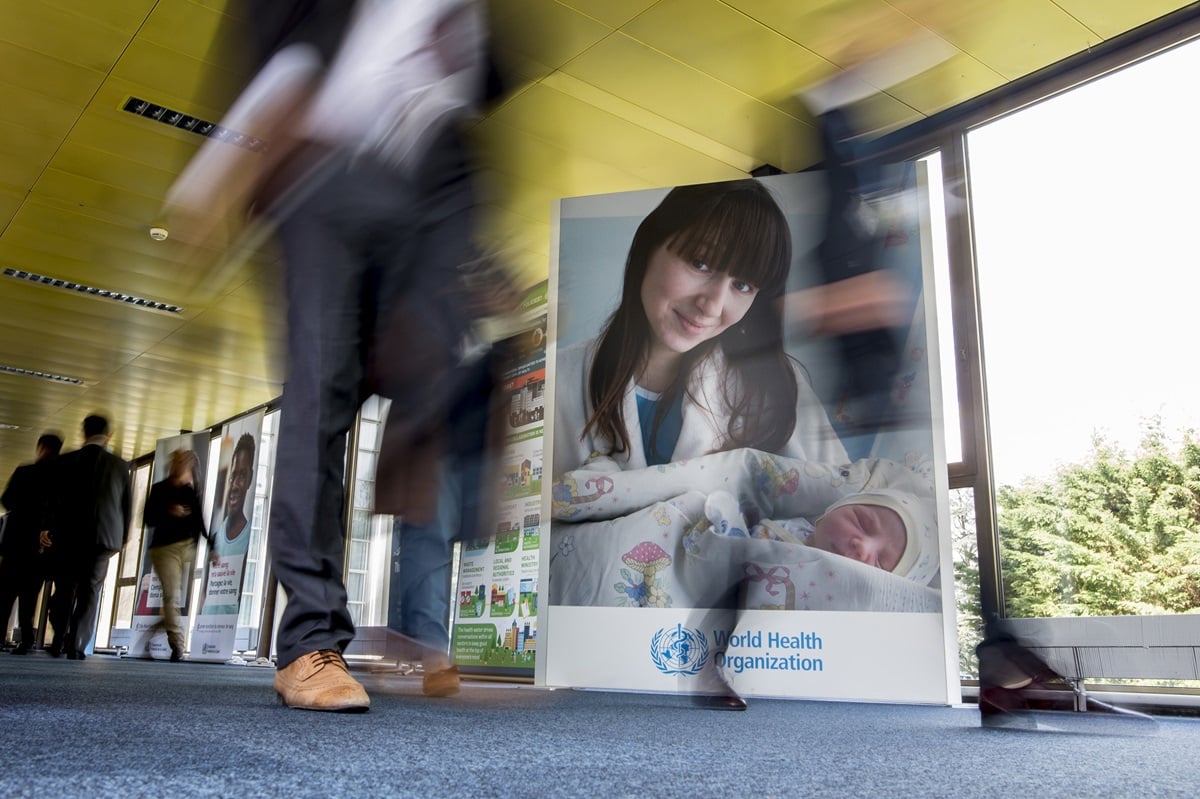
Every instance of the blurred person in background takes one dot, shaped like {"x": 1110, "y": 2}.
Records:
{"x": 90, "y": 516}
{"x": 1020, "y": 690}
{"x": 859, "y": 303}
{"x": 174, "y": 512}
{"x": 463, "y": 476}
{"x": 369, "y": 185}
{"x": 24, "y": 557}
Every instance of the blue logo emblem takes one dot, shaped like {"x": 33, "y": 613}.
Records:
{"x": 679, "y": 650}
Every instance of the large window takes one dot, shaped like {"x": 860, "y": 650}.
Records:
{"x": 1084, "y": 211}
{"x": 948, "y": 376}
{"x": 120, "y": 584}
{"x": 367, "y": 546}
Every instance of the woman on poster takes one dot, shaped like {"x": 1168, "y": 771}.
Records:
{"x": 693, "y": 361}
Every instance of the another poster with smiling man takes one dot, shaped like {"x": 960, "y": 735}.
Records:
{"x": 215, "y": 633}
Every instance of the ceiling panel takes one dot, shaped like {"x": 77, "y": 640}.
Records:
{"x": 135, "y": 138}
{"x": 839, "y": 31}
{"x": 648, "y": 119}
{"x": 83, "y": 161}
{"x": 205, "y": 33}
{"x": 105, "y": 268}
{"x": 170, "y": 77}
{"x": 723, "y": 42}
{"x": 27, "y": 402}
{"x": 26, "y": 154}
{"x": 165, "y": 378}
{"x": 11, "y": 198}
{"x": 550, "y": 173}
{"x": 233, "y": 8}
{"x": 543, "y": 32}
{"x": 756, "y": 133}
{"x": 84, "y": 237}
{"x": 1014, "y": 38}
{"x": 573, "y": 125}
{"x": 606, "y": 95}
{"x": 614, "y": 13}
{"x": 1108, "y": 18}
{"x": 42, "y": 113}
{"x": 933, "y": 91}
{"x": 86, "y": 192}
{"x": 52, "y": 77}
{"x": 91, "y": 321}
{"x": 125, "y": 16}
{"x": 62, "y": 32}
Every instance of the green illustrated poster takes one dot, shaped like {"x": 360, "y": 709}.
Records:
{"x": 496, "y": 647}
{"x": 531, "y": 528}
{"x": 504, "y": 586}
{"x": 472, "y": 593}
{"x": 494, "y": 628}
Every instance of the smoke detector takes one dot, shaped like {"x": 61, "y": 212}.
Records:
{"x": 159, "y": 233}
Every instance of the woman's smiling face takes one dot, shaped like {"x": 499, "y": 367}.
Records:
{"x": 687, "y": 302}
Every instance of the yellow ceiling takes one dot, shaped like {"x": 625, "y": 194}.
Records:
{"x": 607, "y": 95}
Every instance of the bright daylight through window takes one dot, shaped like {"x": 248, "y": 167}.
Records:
{"x": 1084, "y": 222}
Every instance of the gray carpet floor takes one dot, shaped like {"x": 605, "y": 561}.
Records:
{"x": 107, "y": 727}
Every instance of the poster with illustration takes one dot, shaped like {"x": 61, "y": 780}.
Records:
{"x": 232, "y": 523}
{"x": 741, "y": 494}
{"x": 176, "y": 522}
{"x": 494, "y": 627}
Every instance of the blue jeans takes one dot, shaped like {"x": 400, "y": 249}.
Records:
{"x": 420, "y": 591}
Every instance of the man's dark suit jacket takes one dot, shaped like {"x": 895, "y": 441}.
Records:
{"x": 27, "y": 498}
{"x": 96, "y": 503}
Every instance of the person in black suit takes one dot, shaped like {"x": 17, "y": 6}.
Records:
{"x": 23, "y": 558}
{"x": 373, "y": 254}
{"x": 371, "y": 193}
{"x": 89, "y": 524}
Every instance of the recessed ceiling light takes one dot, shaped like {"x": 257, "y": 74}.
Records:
{"x": 16, "y": 370}
{"x": 182, "y": 121}
{"x": 116, "y": 296}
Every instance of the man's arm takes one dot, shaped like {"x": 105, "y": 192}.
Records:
{"x": 14, "y": 491}
{"x": 62, "y": 496}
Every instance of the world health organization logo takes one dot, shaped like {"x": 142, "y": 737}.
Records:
{"x": 679, "y": 650}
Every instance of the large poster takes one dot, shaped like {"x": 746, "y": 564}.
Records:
{"x": 726, "y": 509}
{"x": 147, "y": 637}
{"x": 495, "y": 626}
{"x": 232, "y": 517}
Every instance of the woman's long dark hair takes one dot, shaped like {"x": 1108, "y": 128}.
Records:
{"x": 738, "y": 229}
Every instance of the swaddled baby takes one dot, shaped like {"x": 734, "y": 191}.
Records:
{"x": 881, "y": 527}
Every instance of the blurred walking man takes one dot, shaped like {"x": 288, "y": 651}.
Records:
{"x": 90, "y": 523}
{"x": 373, "y": 247}
{"x": 24, "y": 557}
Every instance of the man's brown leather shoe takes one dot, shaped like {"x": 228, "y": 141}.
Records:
{"x": 321, "y": 681}
{"x": 443, "y": 682}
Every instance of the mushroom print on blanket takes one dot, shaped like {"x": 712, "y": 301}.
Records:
{"x": 644, "y": 590}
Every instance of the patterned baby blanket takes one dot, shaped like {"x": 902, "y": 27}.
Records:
{"x": 707, "y": 532}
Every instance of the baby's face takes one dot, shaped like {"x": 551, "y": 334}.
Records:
{"x": 870, "y": 534}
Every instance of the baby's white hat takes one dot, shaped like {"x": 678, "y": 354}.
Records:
{"x": 919, "y": 562}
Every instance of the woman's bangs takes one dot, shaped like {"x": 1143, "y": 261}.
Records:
{"x": 741, "y": 236}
